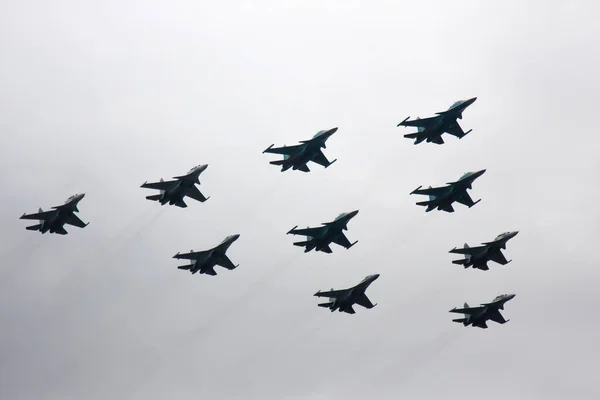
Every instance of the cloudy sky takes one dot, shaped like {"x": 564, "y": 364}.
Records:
{"x": 98, "y": 97}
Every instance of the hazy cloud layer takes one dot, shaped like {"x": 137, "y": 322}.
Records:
{"x": 100, "y": 97}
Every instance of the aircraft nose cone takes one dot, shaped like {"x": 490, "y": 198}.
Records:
{"x": 352, "y": 214}
{"x": 511, "y": 296}
{"x": 375, "y": 276}
{"x": 235, "y": 237}
{"x": 203, "y": 167}
{"x": 81, "y": 196}
{"x": 333, "y": 130}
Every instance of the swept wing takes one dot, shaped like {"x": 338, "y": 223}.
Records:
{"x": 165, "y": 185}
{"x": 421, "y": 123}
{"x": 75, "y": 221}
{"x": 432, "y": 191}
{"x": 332, "y": 293}
{"x": 499, "y": 258}
{"x": 195, "y": 194}
{"x": 312, "y": 232}
{"x": 43, "y": 216}
{"x": 196, "y": 255}
{"x": 225, "y": 262}
{"x": 469, "y": 311}
{"x": 286, "y": 150}
{"x": 364, "y": 301}
{"x": 468, "y": 250}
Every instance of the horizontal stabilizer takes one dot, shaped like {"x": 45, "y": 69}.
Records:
{"x": 277, "y": 162}
{"x": 34, "y": 227}
{"x": 460, "y": 262}
{"x": 412, "y": 135}
{"x": 327, "y": 305}
{"x": 460, "y": 320}
{"x": 154, "y": 197}
{"x": 186, "y": 267}
{"x": 302, "y": 244}
{"x": 423, "y": 203}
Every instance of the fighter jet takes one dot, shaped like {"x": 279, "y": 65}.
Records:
{"x": 343, "y": 300}
{"x": 443, "y": 197}
{"x": 173, "y": 192}
{"x": 478, "y": 257}
{"x": 431, "y": 129}
{"x": 53, "y": 221}
{"x": 298, "y": 156}
{"x": 477, "y": 316}
{"x": 321, "y": 237}
{"x": 205, "y": 261}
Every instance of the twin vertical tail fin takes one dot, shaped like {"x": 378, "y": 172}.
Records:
{"x": 329, "y": 304}
{"x": 39, "y": 226}
{"x": 464, "y": 261}
{"x": 431, "y": 197}
{"x": 465, "y": 320}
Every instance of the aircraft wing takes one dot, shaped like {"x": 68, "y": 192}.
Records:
{"x": 195, "y": 194}
{"x": 225, "y": 262}
{"x": 286, "y": 150}
{"x": 196, "y": 255}
{"x": 499, "y": 258}
{"x": 465, "y": 199}
{"x": 312, "y": 232}
{"x": 332, "y": 293}
{"x": 364, "y": 301}
{"x": 420, "y": 123}
{"x": 342, "y": 240}
{"x": 160, "y": 185}
{"x": 455, "y": 130}
{"x": 437, "y": 191}
{"x": 468, "y": 250}
{"x": 75, "y": 221}
{"x": 43, "y": 216}
{"x": 470, "y": 310}
{"x": 320, "y": 159}
{"x": 496, "y": 317}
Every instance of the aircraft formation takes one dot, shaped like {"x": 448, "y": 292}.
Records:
{"x": 320, "y": 238}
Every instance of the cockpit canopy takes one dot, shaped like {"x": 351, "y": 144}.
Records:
{"x": 456, "y": 104}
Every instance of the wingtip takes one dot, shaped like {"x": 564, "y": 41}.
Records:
{"x": 268, "y": 148}
{"x": 405, "y": 119}
{"x": 176, "y": 255}
{"x": 291, "y": 230}
{"x": 413, "y": 192}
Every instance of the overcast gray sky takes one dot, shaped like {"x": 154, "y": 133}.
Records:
{"x": 98, "y": 97}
